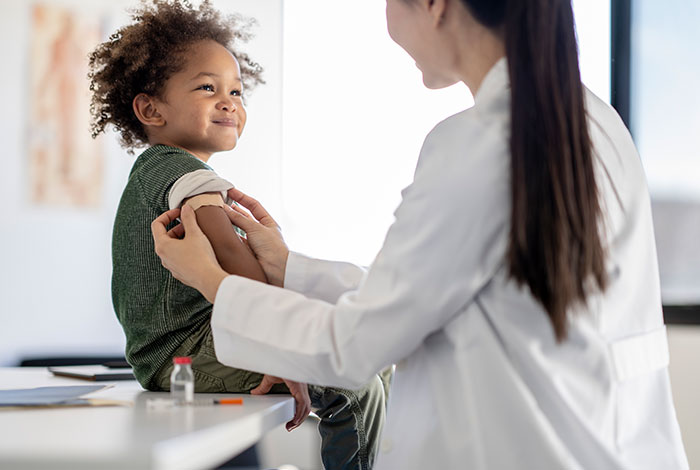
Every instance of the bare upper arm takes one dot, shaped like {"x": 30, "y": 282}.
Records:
{"x": 231, "y": 251}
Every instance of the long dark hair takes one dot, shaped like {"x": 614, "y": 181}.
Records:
{"x": 555, "y": 246}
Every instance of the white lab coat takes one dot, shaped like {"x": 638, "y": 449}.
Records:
{"x": 480, "y": 382}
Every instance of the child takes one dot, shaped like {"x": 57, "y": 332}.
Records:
{"x": 173, "y": 80}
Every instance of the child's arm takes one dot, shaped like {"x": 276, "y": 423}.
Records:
{"x": 232, "y": 253}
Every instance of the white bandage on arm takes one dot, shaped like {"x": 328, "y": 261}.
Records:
{"x": 199, "y": 183}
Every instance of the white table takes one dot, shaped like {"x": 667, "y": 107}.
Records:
{"x": 133, "y": 437}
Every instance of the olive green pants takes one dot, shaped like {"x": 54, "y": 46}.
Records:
{"x": 351, "y": 420}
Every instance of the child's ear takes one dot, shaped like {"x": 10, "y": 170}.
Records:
{"x": 146, "y": 111}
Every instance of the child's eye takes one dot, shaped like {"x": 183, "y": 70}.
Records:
{"x": 206, "y": 87}
{"x": 236, "y": 93}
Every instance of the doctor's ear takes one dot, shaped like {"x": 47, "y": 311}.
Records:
{"x": 436, "y": 9}
{"x": 146, "y": 110}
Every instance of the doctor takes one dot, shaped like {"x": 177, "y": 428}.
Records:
{"x": 517, "y": 290}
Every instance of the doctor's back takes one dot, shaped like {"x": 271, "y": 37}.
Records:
{"x": 556, "y": 357}
{"x": 501, "y": 390}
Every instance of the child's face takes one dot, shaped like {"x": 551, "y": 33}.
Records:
{"x": 202, "y": 106}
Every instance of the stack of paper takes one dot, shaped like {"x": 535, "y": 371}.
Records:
{"x": 52, "y": 396}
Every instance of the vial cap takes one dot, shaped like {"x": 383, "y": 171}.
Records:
{"x": 182, "y": 360}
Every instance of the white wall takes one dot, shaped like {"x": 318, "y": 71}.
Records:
{"x": 55, "y": 263}
{"x": 593, "y": 32}
{"x": 355, "y": 116}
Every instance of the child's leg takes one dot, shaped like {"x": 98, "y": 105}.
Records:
{"x": 211, "y": 376}
{"x": 351, "y": 424}
{"x": 351, "y": 420}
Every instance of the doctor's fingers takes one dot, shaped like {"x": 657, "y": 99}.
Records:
{"x": 300, "y": 392}
{"x": 243, "y": 212}
{"x": 189, "y": 220}
{"x": 242, "y": 220}
{"x": 253, "y": 206}
{"x": 160, "y": 224}
{"x": 177, "y": 232}
{"x": 164, "y": 249}
{"x": 266, "y": 385}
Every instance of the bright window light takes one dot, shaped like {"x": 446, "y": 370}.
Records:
{"x": 665, "y": 99}
{"x": 355, "y": 115}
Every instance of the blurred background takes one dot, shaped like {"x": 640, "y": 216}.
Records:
{"x": 331, "y": 140}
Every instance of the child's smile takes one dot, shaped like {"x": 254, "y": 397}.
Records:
{"x": 226, "y": 122}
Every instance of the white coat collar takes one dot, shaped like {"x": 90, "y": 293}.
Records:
{"x": 495, "y": 83}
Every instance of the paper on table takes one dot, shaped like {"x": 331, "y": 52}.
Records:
{"x": 49, "y": 396}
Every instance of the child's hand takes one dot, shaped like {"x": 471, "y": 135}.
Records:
{"x": 300, "y": 392}
{"x": 263, "y": 235}
{"x": 191, "y": 260}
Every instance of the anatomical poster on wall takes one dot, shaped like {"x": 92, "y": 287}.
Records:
{"x": 65, "y": 163}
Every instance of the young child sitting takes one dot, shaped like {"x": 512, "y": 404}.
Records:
{"x": 173, "y": 80}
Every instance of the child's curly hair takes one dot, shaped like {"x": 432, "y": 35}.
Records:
{"x": 140, "y": 57}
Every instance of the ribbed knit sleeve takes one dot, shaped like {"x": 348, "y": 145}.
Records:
{"x": 160, "y": 169}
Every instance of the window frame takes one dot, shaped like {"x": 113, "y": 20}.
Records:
{"x": 621, "y": 81}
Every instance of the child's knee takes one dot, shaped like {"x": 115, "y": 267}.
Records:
{"x": 211, "y": 376}
{"x": 368, "y": 399}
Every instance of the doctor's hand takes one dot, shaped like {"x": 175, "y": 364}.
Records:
{"x": 191, "y": 258}
{"x": 300, "y": 392}
{"x": 263, "y": 235}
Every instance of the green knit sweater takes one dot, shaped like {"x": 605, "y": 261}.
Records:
{"x": 157, "y": 312}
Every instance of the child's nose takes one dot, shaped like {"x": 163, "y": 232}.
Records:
{"x": 226, "y": 104}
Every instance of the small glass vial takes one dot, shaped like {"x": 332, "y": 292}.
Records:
{"x": 182, "y": 381}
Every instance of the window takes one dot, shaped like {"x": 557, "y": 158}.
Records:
{"x": 657, "y": 71}
{"x": 665, "y": 68}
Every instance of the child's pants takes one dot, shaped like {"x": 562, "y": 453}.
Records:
{"x": 351, "y": 420}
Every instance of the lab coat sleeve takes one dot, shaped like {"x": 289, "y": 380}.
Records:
{"x": 321, "y": 279}
{"x": 446, "y": 243}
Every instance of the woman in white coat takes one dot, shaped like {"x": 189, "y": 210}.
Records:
{"x": 517, "y": 290}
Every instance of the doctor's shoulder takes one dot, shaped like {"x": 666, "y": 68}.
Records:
{"x": 468, "y": 145}
{"x": 620, "y": 164}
